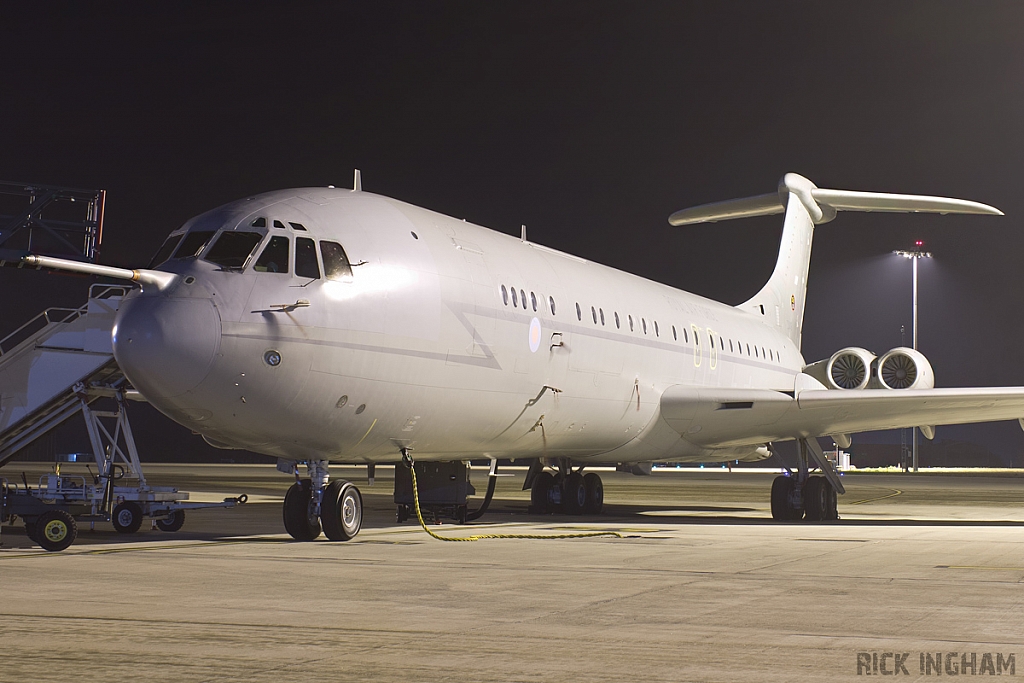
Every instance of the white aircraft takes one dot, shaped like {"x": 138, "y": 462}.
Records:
{"x": 324, "y": 324}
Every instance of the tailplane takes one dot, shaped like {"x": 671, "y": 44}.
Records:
{"x": 781, "y": 300}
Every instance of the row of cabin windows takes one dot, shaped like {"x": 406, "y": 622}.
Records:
{"x": 597, "y": 315}
{"x": 520, "y": 299}
{"x": 233, "y": 249}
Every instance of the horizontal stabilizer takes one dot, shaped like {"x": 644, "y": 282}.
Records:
{"x": 822, "y": 204}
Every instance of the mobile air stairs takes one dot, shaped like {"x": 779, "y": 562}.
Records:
{"x": 59, "y": 364}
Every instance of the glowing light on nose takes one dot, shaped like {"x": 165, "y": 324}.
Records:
{"x": 370, "y": 279}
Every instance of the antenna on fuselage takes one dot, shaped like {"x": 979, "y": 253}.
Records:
{"x": 523, "y": 234}
{"x": 357, "y": 182}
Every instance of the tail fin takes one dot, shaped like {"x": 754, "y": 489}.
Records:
{"x": 781, "y": 300}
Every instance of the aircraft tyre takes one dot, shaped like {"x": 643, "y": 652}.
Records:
{"x": 782, "y": 507}
{"x": 56, "y": 530}
{"x": 574, "y": 498}
{"x": 298, "y": 522}
{"x": 816, "y": 499}
{"x": 341, "y": 511}
{"x": 127, "y": 517}
{"x": 540, "y": 494}
{"x": 595, "y": 493}
{"x": 171, "y": 522}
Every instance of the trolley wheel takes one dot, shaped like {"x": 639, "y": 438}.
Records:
{"x": 171, "y": 522}
{"x": 56, "y": 530}
{"x": 127, "y": 517}
{"x": 298, "y": 522}
{"x": 341, "y": 511}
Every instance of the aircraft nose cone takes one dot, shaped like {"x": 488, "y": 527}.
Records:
{"x": 166, "y": 346}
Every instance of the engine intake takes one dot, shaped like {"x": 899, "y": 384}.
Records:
{"x": 904, "y": 368}
{"x": 849, "y": 368}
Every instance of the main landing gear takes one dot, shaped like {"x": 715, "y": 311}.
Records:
{"x": 801, "y": 496}
{"x": 315, "y": 505}
{"x": 568, "y": 491}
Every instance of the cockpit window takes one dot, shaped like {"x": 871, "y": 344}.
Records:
{"x": 193, "y": 243}
{"x": 165, "y": 250}
{"x": 336, "y": 265}
{"x": 274, "y": 258}
{"x": 305, "y": 258}
{"x": 279, "y": 224}
{"x": 297, "y": 226}
{"x": 259, "y": 222}
{"x": 232, "y": 249}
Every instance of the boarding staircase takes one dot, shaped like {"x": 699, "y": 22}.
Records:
{"x": 54, "y": 365}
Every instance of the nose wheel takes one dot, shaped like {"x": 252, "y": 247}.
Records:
{"x": 314, "y": 505}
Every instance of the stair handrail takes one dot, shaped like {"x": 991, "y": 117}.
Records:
{"x": 70, "y": 314}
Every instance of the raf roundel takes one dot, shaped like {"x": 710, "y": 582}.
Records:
{"x": 534, "y": 335}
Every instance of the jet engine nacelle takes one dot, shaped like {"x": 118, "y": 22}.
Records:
{"x": 904, "y": 368}
{"x": 848, "y": 368}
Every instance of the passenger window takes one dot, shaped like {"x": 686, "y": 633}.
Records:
{"x": 193, "y": 243}
{"x": 579, "y": 312}
{"x": 601, "y": 312}
{"x": 617, "y": 326}
{"x": 232, "y": 249}
{"x": 675, "y": 337}
{"x": 279, "y": 224}
{"x": 515, "y": 299}
{"x": 551, "y": 302}
{"x": 305, "y": 259}
{"x": 630, "y": 318}
{"x": 504, "y": 295}
{"x": 259, "y": 222}
{"x": 165, "y": 250}
{"x": 274, "y": 258}
{"x": 731, "y": 350}
{"x": 643, "y": 321}
{"x": 657, "y": 333}
{"x": 336, "y": 265}
{"x": 533, "y": 301}
{"x": 748, "y": 349}
{"x": 686, "y": 337}
{"x": 522, "y": 297}
{"x": 593, "y": 312}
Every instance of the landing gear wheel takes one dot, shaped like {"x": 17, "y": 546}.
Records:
{"x": 816, "y": 499}
{"x": 171, "y": 522}
{"x": 833, "y": 502}
{"x": 56, "y": 530}
{"x": 595, "y": 493}
{"x": 127, "y": 517}
{"x": 540, "y": 494}
{"x": 575, "y": 498}
{"x": 298, "y": 503}
{"x": 782, "y": 506}
{"x": 341, "y": 511}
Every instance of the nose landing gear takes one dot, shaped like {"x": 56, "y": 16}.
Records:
{"x": 316, "y": 505}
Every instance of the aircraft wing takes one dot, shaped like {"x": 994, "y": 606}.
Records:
{"x": 721, "y": 418}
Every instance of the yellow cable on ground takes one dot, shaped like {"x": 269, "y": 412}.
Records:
{"x": 478, "y": 537}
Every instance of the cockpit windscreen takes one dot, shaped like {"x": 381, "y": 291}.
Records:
{"x": 193, "y": 243}
{"x": 165, "y": 251}
{"x": 232, "y": 249}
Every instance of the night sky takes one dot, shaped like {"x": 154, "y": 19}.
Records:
{"x": 588, "y": 121}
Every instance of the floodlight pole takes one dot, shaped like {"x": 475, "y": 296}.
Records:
{"x": 914, "y": 256}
